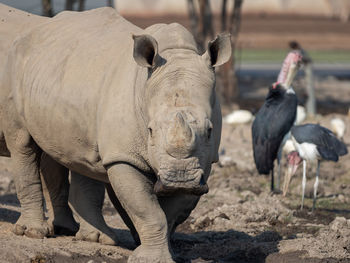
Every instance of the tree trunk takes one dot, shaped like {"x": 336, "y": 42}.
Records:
{"x": 231, "y": 91}
{"x": 193, "y": 17}
{"x": 207, "y": 31}
{"x": 201, "y": 25}
{"x": 193, "y": 20}
{"x": 223, "y": 16}
{"x": 47, "y": 8}
{"x": 203, "y": 31}
{"x": 69, "y": 5}
{"x": 110, "y": 3}
{"x": 235, "y": 22}
{"x": 81, "y": 5}
{"x": 311, "y": 100}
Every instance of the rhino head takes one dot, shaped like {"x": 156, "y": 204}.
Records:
{"x": 182, "y": 112}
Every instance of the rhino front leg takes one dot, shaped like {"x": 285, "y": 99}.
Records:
{"x": 123, "y": 214}
{"x": 135, "y": 192}
{"x": 86, "y": 196}
{"x": 176, "y": 208}
{"x": 56, "y": 190}
{"x": 25, "y": 156}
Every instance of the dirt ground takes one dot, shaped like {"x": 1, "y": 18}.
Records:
{"x": 238, "y": 220}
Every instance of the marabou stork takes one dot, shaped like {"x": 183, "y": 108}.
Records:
{"x": 313, "y": 143}
{"x": 275, "y": 118}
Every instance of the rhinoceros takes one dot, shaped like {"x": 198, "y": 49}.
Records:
{"x": 132, "y": 107}
{"x": 86, "y": 195}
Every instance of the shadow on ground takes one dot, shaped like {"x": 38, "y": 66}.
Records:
{"x": 9, "y": 199}
{"x": 299, "y": 257}
{"x": 229, "y": 246}
{"x": 8, "y": 215}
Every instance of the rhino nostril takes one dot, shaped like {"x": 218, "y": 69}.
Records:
{"x": 150, "y": 131}
{"x": 202, "y": 181}
{"x": 150, "y": 127}
{"x": 209, "y": 133}
{"x": 209, "y": 127}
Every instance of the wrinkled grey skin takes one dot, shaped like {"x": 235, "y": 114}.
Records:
{"x": 131, "y": 107}
{"x": 92, "y": 225}
{"x": 88, "y": 206}
{"x": 86, "y": 198}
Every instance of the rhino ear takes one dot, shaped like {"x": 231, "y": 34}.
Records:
{"x": 145, "y": 50}
{"x": 219, "y": 50}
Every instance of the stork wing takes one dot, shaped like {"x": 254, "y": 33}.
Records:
{"x": 326, "y": 142}
{"x": 272, "y": 123}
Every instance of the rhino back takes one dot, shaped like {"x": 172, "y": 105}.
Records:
{"x": 14, "y": 22}
{"x": 65, "y": 76}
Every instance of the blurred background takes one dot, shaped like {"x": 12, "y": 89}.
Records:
{"x": 263, "y": 31}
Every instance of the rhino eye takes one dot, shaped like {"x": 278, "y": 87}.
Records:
{"x": 209, "y": 133}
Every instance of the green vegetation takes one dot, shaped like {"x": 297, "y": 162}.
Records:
{"x": 332, "y": 204}
{"x": 277, "y": 55}
{"x": 322, "y": 203}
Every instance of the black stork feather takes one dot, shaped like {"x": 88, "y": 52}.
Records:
{"x": 276, "y": 116}
{"x": 327, "y": 144}
{"x": 313, "y": 142}
{"x": 271, "y": 124}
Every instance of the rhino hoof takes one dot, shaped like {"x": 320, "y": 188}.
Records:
{"x": 106, "y": 240}
{"x": 95, "y": 236}
{"x": 18, "y": 230}
{"x": 147, "y": 255}
{"x": 36, "y": 232}
{"x": 32, "y": 231}
{"x": 134, "y": 259}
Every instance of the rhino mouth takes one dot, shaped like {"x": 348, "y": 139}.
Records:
{"x": 180, "y": 176}
{"x": 169, "y": 185}
{"x": 162, "y": 189}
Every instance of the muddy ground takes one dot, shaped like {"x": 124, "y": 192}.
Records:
{"x": 238, "y": 220}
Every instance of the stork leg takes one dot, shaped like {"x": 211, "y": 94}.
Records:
{"x": 272, "y": 181}
{"x": 316, "y": 185}
{"x": 279, "y": 156}
{"x": 303, "y": 184}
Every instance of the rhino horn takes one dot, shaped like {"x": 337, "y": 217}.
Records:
{"x": 180, "y": 137}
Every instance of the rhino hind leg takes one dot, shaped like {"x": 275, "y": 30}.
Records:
{"x": 3, "y": 147}
{"x": 86, "y": 197}
{"x": 25, "y": 155}
{"x": 56, "y": 190}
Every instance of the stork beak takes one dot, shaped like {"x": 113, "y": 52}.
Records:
{"x": 293, "y": 70}
{"x": 290, "y": 172}
{"x": 290, "y": 67}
